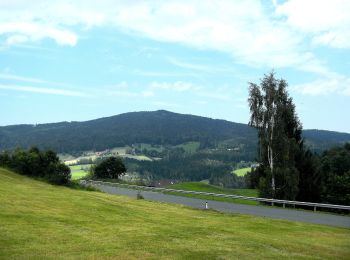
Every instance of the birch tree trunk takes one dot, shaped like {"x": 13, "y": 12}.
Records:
{"x": 270, "y": 150}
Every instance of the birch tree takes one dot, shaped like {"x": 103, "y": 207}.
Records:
{"x": 279, "y": 134}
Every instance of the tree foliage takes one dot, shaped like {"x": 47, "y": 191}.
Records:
{"x": 335, "y": 169}
{"x": 289, "y": 170}
{"x": 36, "y": 163}
{"x": 110, "y": 168}
{"x": 279, "y": 136}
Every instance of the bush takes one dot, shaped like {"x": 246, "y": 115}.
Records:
{"x": 35, "y": 163}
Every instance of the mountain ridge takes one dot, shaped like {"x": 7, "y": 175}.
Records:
{"x": 154, "y": 127}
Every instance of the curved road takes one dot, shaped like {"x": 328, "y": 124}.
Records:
{"x": 228, "y": 207}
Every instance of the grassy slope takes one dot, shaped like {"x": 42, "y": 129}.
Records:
{"x": 242, "y": 171}
{"x": 39, "y": 220}
{"x": 200, "y": 186}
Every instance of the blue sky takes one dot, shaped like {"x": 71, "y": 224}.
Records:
{"x": 80, "y": 60}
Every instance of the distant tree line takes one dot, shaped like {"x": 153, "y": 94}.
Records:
{"x": 287, "y": 168}
{"x": 35, "y": 163}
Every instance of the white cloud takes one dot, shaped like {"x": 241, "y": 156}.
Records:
{"x": 200, "y": 67}
{"x": 122, "y": 93}
{"x": 50, "y": 91}
{"x": 337, "y": 85}
{"x": 8, "y": 76}
{"x": 16, "y": 39}
{"x": 219, "y": 93}
{"x": 13, "y": 77}
{"x": 249, "y": 31}
{"x": 327, "y": 21}
{"x": 243, "y": 29}
{"x": 20, "y": 32}
{"x": 148, "y": 93}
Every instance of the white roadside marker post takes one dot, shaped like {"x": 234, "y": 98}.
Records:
{"x": 206, "y": 205}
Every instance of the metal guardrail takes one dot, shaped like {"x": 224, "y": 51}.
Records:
{"x": 272, "y": 201}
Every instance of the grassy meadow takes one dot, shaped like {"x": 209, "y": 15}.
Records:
{"x": 242, "y": 171}
{"x": 38, "y": 220}
{"x": 79, "y": 171}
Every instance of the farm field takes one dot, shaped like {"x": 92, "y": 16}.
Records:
{"x": 242, "y": 171}
{"x": 39, "y": 220}
{"x": 200, "y": 186}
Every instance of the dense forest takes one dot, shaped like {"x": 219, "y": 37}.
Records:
{"x": 324, "y": 178}
{"x": 157, "y": 127}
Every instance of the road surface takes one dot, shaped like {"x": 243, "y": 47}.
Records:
{"x": 228, "y": 207}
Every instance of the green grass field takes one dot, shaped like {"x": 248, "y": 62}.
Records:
{"x": 38, "y": 220}
{"x": 77, "y": 172}
{"x": 242, "y": 171}
{"x": 200, "y": 186}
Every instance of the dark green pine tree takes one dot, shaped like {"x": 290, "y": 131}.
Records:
{"x": 280, "y": 137}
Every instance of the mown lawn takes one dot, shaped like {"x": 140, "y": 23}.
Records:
{"x": 200, "y": 186}
{"x": 38, "y": 221}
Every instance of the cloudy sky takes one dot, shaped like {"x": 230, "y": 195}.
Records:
{"x": 79, "y": 60}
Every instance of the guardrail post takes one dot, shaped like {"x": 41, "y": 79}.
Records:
{"x": 314, "y": 208}
{"x": 284, "y": 205}
{"x": 272, "y": 204}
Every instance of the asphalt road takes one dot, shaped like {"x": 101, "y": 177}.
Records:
{"x": 228, "y": 207}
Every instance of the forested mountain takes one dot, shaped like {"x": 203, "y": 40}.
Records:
{"x": 156, "y": 127}
{"x": 320, "y": 140}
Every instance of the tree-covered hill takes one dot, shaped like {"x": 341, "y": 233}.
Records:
{"x": 155, "y": 127}
{"x": 321, "y": 140}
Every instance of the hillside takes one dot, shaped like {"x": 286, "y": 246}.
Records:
{"x": 319, "y": 140}
{"x": 157, "y": 127}
{"x": 43, "y": 221}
